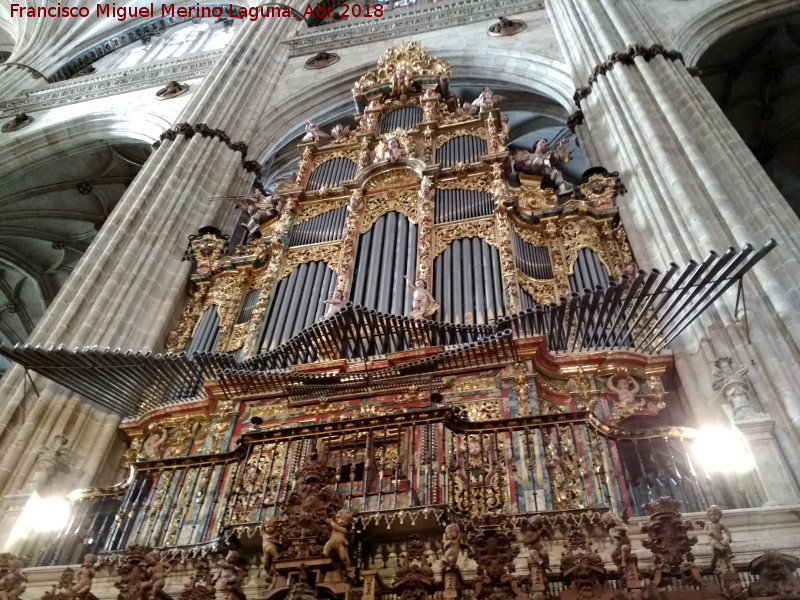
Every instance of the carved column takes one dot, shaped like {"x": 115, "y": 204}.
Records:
{"x": 648, "y": 117}
{"x": 425, "y": 201}
{"x": 125, "y": 290}
{"x": 348, "y": 252}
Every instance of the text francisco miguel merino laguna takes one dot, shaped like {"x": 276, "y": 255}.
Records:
{"x": 121, "y": 13}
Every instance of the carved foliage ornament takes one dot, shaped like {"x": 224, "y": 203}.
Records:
{"x": 327, "y": 252}
{"x": 411, "y": 57}
{"x": 492, "y": 544}
{"x": 444, "y": 234}
{"x": 404, "y": 201}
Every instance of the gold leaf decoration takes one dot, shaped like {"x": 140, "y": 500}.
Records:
{"x": 411, "y": 57}
{"x": 446, "y": 233}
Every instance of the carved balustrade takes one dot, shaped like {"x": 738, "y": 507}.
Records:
{"x": 431, "y": 462}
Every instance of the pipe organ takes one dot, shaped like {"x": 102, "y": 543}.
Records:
{"x": 430, "y": 329}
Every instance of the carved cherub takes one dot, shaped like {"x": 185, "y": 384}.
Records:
{"x": 451, "y": 546}
{"x": 339, "y": 131}
{"x": 83, "y": 580}
{"x": 401, "y": 83}
{"x": 158, "y": 571}
{"x": 229, "y": 575}
{"x": 391, "y": 152}
{"x": 719, "y": 536}
{"x": 313, "y": 132}
{"x": 485, "y": 101}
{"x": 152, "y": 447}
{"x": 424, "y": 304}
{"x": 618, "y": 531}
{"x": 259, "y": 209}
{"x": 12, "y": 584}
{"x": 335, "y": 302}
{"x": 535, "y": 530}
{"x": 542, "y": 160}
{"x": 626, "y": 388}
{"x": 336, "y": 546}
{"x": 426, "y": 189}
{"x": 269, "y": 543}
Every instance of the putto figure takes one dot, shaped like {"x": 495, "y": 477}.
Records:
{"x": 719, "y": 536}
{"x": 314, "y": 133}
{"x": 229, "y": 575}
{"x": 618, "y": 531}
{"x": 626, "y": 388}
{"x": 451, "y": 547}
{"x": 335, "y": 302}
{"x": 424, "y": 305}
{"x": 269, "y": 543}
{"x": 543, "y": 160}
{"x": 392, "y": 151}
{"x": 535, "y": 532}
{"x": 12, "y": 585}
{"x": 485, "y": 101}
{"x": 158, "y": 571}
{"x": 83, "y": 580}
{"x": 260, "y": 208}
{"x": 336, "y": 546}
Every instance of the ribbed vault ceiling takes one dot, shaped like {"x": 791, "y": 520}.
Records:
{"x": 49, "y": 213}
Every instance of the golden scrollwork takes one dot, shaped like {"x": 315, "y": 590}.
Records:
{"x": 478, "y": 183}
{"x": 411, "y": 57}
{"x": 494, "y": 134}
{"x": 583, "y": 233}
{"x": 459, "y": 115}
{"x": 399, "y": 177}
{"x": 387, "y": 457}
{"x": 425, "y": 208}
{"x": 443, "y": 137}
{"x": 327, "y": 252}
{"x": 324, "y": 408}
{"x": 404, "y": 201}
{"x": 129, "y": 456}
{"x": 309, "y": 210}
{"x": 355, "y": 207}
{"x": 487, "y": 410}
{"x": 324, "y": 156}
{"x": 507, "y": 266}
{"x": 600, "y": 190}
{"x": 226, "y": 293}
{"x": 180, "y": 336}
{"x": 266, "y": 411}
{"x": 447, "y": 232}
{"x": 305, "y": 165}
{"x": 535, "y": 198}
{"x": 471, "y": 385}
{"x": 522, "y": 388}
{"x": 541, "y": 290}
{"x": 266, "y": 278}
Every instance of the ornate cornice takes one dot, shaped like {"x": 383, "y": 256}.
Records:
{"x": 112, "y": 83}
{"x": 405, "y": 22}
{"x": 626, "y": 58}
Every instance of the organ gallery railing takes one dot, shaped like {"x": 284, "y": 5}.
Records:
{"x": 427, "y": 463}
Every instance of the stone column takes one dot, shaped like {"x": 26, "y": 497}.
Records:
{"x": 693, "y": 186}
{"x": 131, "y": 282}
